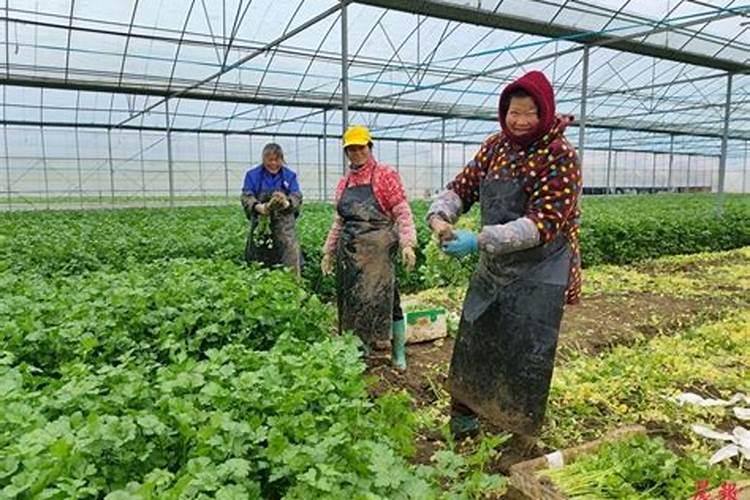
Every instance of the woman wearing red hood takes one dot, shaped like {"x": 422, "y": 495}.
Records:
{"x": 527, "y": 180}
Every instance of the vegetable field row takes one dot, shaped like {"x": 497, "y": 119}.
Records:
{"x": 165, "y": 381}
{"x": 614, "y": 230}
{"x": 140, "y": 358}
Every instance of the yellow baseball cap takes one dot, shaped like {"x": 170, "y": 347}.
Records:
{"x": 357, "y": 135}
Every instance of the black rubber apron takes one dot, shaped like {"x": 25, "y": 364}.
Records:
{"x": 505, "y": 350}
{"x": 274, "y": 241}
{"x": 365, "y": 275}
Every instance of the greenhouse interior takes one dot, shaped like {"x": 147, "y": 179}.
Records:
{"x": 374, "y": 249}
{"x": 131, "y": 102}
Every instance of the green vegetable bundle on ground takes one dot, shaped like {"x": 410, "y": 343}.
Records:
{"x": 636, "y": 468}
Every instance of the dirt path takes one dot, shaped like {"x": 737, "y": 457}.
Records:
{"x": 658, "y": 298}
{"x": 599, "y": 323}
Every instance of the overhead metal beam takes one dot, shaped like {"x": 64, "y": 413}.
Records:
{"x": 69, "y": 35}
{"x": 238, "y": 63}
{"x": 335, "y": 137}
{"x": 634, "y": 90}
{"x": 233, "y": 93}
{"x": 374, "y": 62}
{"x": 270, "y": 58}
{"x": 182, "y": 130}
{"x": 487, "y": 18}
{"x": 663, "y": 26}
{"x": 127, "y": 42}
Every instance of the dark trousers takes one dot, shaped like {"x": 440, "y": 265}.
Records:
{"x": 398, "y": 313}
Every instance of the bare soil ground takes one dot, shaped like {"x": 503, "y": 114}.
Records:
{"x": 604, "y": 319}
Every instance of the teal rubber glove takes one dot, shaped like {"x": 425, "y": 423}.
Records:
{"x": 464, "y": 243}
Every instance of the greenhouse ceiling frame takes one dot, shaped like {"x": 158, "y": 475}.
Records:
{"x": 433, "y": 8}
{"x": 211, "y": 89}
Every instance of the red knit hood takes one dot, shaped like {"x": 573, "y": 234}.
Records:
{"x": 540, "y": 89}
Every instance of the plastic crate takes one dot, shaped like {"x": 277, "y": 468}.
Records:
{"x": 426, "y": 324}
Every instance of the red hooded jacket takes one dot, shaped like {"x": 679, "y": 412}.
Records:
{"x": 539, "y": 88}
{"x": 545, "y": 163}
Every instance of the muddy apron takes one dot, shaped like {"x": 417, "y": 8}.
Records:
{"x": 505, "y": 350}
{"x": 272, "y": 239}
{"x": 365, "y": 275}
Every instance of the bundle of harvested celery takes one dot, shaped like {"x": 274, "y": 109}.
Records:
{"x": 637, "y": 468}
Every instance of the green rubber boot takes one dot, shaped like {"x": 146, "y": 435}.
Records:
{"x": 398, "y": 345}
{"x": 464, "y": 426}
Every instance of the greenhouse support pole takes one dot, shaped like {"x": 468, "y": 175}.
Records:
{"x": 78, "y": 168}
{"x": 6, "y": 156}
{"x": 250, "y": 152}
{"x": 344, "y": 76}
{"x": 226, "y": 168}
{"x": 398, "y": 156}
{"x": 706, "y": 179}
{"x": 170, "y": 164}
{"x": 320, "y": 172}
{"x": 653, "y": 173}
{"x": 724, "y": 140}
{"x": 200, "y": 168}
{"x": 582, "y": 120}
{"x": 111, "y": 167}
{"x": 44, "y": 149}
{"x": 609, "y": 160}
{"x": 442, "y": 154}
{"x": 325, "y": 155}
{"x": 250, "y": 148}
{"x": 688, "y": 173}
{"x": 671, "y": 163}
{"x": 744, "y": 172}
{"x": 614, "y": 172}
{"x": 5, "y": 112}
{"x": 143, "y": 167}
{"x": 45, "y": 167}
{"x": 299, "y": 157}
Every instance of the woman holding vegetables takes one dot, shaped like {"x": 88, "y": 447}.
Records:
{"x": 527, "y": 180}
{"x": 271, "y": 199}
{"x": 373, "y": 219}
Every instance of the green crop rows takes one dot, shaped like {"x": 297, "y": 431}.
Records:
{"x": 614, "y": 230}
{"x": 140, "y": 358}
{"x": 195, "y": 379}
